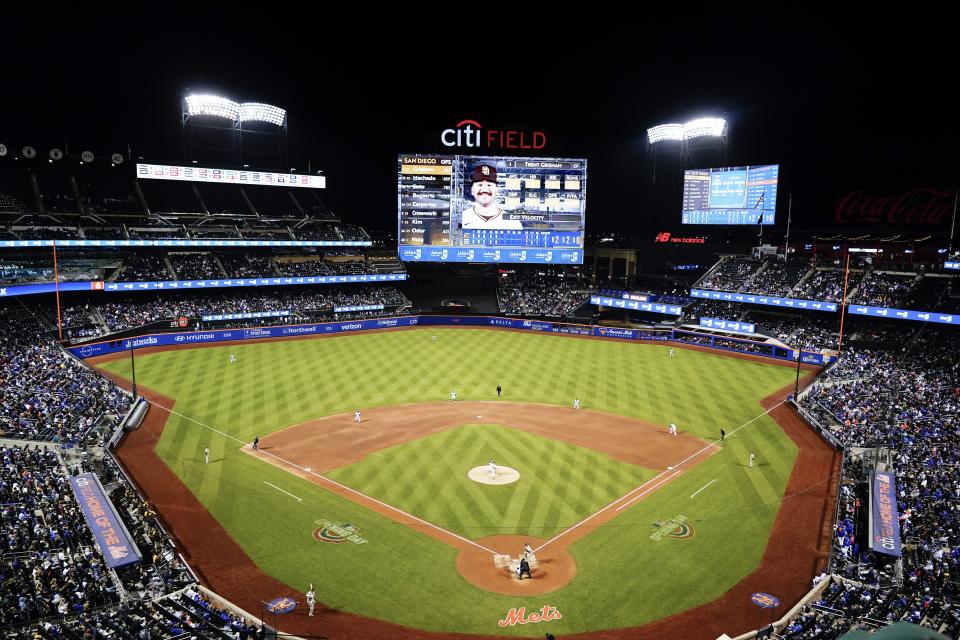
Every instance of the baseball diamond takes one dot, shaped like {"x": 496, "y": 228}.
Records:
{"x": 593, "y": 482}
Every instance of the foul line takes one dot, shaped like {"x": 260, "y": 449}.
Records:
{"x": 703, "y": 487}
{"x": 640, "y": 495}
{"x": 325, "y": 479}
{"x": 656, "y": 477}
{"x": 286, "y": 492}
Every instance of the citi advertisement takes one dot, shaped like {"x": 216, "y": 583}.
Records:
{"x": 112, "y": 537}
{"x": 884, "y": 519}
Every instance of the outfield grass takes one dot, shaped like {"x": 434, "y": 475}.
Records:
{"x": 561, "y": 483}
{"x": 274, "y": 385}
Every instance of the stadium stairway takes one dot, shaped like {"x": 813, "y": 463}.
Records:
{"x": 710, "y": 272}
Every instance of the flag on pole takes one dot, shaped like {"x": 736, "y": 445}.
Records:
{"x": 758, "y": 206}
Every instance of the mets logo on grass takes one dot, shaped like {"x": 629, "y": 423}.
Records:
{"x": 520, "y": 616}
{"x": 764, "y": 600}
{"x": 281, "y": 605}
{"x": 672, "y": 528}
{"x": 338, "y": 532}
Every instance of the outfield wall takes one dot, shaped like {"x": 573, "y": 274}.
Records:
{"x": 720, "y": 343}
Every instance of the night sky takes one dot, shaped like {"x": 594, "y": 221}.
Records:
{"x": 837, "y": 104}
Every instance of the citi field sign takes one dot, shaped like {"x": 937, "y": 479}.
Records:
{"x": 471, "y": 134}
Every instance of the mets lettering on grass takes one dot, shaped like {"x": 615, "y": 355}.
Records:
{"x": 336, "y": 532}
{"x": 519, "y": 616}
{"x": 673, "y": 528}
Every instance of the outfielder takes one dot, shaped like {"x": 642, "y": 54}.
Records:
{"x": 233, "y": 358}
{"x": 206, "y": 455}
{"x": 750, "y": 464}
{"x": 671, "y": 353}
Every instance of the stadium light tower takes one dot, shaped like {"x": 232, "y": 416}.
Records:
{"x": 672, "y": 148}
{"x": 694, "y": 137}
{"x": 219, "y": 130}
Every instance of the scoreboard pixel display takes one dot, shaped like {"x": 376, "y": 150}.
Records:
{"x": 504, "y": 209}
{"x": 730, "y": 195}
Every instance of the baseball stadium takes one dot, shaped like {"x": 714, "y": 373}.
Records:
{"x": 268, "y": 373}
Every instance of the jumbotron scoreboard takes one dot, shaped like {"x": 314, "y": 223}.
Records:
{"x": 454, "y": 208}
{"x": 731, "y": 195}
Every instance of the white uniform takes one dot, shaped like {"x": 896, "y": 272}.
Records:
{"x": 206, "y": 455}
{"x": 233, "y": 358}
{"x": 311, "y": 600}
{"x": 434, "y": 338}
{"x": 490, "y": 218}
{"x": 671, "y": 353}
{"x": 356, "y": 415}
{"x": 673, "y": 429}
{"x": 527, "y": 553}
{"x": 453, "y": 396}
{"x": 576, "y": 403}
{"x": 751, "y": 460}
{"x": 493, "y": 469}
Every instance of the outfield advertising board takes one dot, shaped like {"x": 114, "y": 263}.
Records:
{"x": 330, "y": 328}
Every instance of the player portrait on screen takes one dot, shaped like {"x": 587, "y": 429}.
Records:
{"x": 486, "y": 212}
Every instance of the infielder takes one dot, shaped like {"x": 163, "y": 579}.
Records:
{"x": 311, "y": 599}
{"x": 673, "y": 429}
{"x": 750, "y": 464}
{"x": 206, "y": 455}
{"x": 356, "y": 415}
{"x": 576, "y": 403}
{"x": 453, "y": 396}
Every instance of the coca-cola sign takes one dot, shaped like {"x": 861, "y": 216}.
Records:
{"x": 929, "y": 207}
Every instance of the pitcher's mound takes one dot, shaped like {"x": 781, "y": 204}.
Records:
{"x": 505, "y": 475}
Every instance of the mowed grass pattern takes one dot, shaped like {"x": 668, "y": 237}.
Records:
{"x": 278, "y": 384}
{"x": 562, "y": 483}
